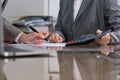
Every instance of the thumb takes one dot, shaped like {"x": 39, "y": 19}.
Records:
{"x": 98, "y": 31}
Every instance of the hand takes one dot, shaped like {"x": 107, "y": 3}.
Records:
{"x": 43, "y": 34}
{"x": 33, "y": 38}
{"x": 104, "y": 40}
{"x": 55, "y": 38}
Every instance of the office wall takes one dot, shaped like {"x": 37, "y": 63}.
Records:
{"x": 18, "y": 8}
{"x": 119, "y": 2}
{"x": 54, "y": 7}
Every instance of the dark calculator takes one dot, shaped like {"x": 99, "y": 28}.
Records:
{"x": 86, "y": 39}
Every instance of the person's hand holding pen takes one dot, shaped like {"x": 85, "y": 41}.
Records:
{"x": 45, "y": 35}
{"x": 36, "y": 37}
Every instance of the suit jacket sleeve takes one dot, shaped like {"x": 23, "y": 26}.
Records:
{"x": 10, "y": 32}
{"x": 112, "y": 14}
{"x": 58, "y": 26}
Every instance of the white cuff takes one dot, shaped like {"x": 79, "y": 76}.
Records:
{"x": 17, "y": 38}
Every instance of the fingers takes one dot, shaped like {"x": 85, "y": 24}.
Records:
{"x": 31, "y": 38}
{"x": 41, "y": 35}
{"x": 56, "y": 38}
{"x": 45, "y": 34}
{"x": 36, "y": 35}
{"x": 98, "y": 31}
{"x": 33, "y": 41}
{"x": 104, "y": 40}
{"x": 37, "y": 41}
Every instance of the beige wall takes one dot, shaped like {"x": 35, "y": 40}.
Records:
{"x": 118, "y": 1}
{"x": 18, "y": 8}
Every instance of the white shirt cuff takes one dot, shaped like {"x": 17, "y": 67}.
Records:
{"x": 17, "y": 38}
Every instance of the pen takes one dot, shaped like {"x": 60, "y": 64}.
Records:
{"x": 34, "y": 30}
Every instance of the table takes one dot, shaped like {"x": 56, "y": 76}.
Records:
{"x": 65, "y": 63}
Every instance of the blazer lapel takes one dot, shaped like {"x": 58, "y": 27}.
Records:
{"x": 70, "y": 11}
{"x": 83, "y": 7}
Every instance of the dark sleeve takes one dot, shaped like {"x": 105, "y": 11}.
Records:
{"x": 112, "y": 14}
{"x": 10, "y": 32}
{"x": 58, "y": 26}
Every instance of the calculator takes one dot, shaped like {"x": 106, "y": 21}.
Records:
{"x": 86, "y": 39}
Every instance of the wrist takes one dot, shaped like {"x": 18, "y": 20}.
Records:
{"x": 22, "y": 38}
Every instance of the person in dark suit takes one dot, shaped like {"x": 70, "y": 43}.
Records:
{"x": 79, "y": 17}
{"x": 11, "y": 33}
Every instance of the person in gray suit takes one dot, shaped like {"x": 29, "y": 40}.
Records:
{"x": 79, "y": 17}
{"x": 11, "y": 33}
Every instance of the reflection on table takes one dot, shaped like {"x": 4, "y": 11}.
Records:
{"x": 69, "y": 63}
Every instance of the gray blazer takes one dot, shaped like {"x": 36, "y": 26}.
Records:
{"x": 10, "y": 32}
{"x": 92, "y": 15}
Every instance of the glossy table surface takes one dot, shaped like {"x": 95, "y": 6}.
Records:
{"x": 65, "y": 63}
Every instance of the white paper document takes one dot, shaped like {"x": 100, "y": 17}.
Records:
{"x": 44, "y": 44}
{"x": 50, "y": 44}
